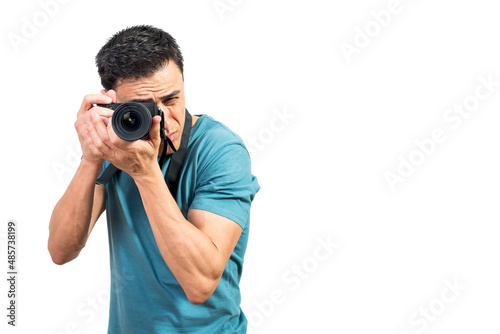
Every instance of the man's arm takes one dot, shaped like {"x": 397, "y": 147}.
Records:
{"x": 75, "y": 214}
{"x": 77, "y": 211}
{"x": 196, "y": 250}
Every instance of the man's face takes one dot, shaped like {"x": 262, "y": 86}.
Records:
{"x": 166, "y": 89}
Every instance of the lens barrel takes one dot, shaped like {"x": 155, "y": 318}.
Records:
{"x": 131, "y": 120}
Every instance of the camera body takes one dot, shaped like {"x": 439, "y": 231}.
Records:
{"x": 132, "y": 120}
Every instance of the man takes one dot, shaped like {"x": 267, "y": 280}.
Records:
{"x": 176, "y": 262}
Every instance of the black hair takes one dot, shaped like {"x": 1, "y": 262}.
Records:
{"x": 134, "y": 53}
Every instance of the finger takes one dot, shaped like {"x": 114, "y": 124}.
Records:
{"x": 112, "y": 94}
{"x": 98, "y": 142}
{"x": 154, "y": 132}
{"x": 103, "y": 111}
{"x": 106, "y": 112}
{"x": 91, "y": 99}
{"x": 100, "y": 126}
{"x": 113, "y": 137}
{"x": 89, "y": 143}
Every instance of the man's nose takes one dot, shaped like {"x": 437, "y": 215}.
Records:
{"x": 167, "y": 118}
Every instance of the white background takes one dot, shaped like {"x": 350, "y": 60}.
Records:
{"x": 322, "y": 171}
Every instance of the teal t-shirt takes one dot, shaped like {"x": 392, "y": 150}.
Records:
{"x": 145, "y": 296}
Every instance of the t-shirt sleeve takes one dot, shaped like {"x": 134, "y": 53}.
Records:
{"x": 226, "y": 185}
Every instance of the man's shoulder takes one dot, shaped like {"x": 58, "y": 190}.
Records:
{"x": 213, "y": 134}
{"x": 215, "y": 144}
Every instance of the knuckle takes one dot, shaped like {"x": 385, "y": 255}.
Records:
{"x": 87, "y": 98}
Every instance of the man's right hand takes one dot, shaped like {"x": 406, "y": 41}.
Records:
{"x": 83, "y": 116}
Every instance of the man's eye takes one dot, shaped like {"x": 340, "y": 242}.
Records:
{"x": 170, "y": 100}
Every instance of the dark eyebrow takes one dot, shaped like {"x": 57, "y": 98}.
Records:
{"x": 168, "y": 96}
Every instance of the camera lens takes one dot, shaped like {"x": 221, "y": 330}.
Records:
{"x": 131, "y": 121}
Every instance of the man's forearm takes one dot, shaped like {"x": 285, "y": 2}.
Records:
{"x": 70, "y": 220}
{"x": 190, "y": 254}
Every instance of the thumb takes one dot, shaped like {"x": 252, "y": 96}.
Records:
{"x": 154, "y": 132}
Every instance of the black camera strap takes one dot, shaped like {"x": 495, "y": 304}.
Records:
{"x": 107, "y": 175}
{"x": 164, "y": 137}
{"x": 176, "y": 160}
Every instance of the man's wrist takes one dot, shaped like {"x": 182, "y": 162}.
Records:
{"x": 92, "y": 164}
{"x": 90, "y": 168}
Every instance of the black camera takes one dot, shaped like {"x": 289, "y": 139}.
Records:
{"x": 132, "y": 120}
